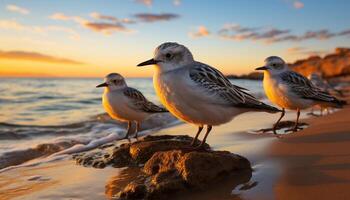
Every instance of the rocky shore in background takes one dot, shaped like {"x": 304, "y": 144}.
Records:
{"x": 166, "y": 166}
{"x": 332, "y": 65}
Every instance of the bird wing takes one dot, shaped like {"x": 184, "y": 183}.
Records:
{"x": 304, "y": 88}
{"x": 139, "y": 102}
{"x": 215, "y": 83}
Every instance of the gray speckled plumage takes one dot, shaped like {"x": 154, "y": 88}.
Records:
{"x": 217, "y": 84}
{"x": 303, "y": 87}
{"x": 140, "y": 102}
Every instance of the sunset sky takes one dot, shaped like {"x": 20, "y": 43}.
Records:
{"x": 90, "y": 38}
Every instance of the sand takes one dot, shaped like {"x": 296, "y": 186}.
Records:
{"x": 315, "y": 162}
{"x": 311, "y": 164}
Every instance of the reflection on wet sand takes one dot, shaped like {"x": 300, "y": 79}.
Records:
{"x": 223, "y": 189}
{"x": 117, "y": 183}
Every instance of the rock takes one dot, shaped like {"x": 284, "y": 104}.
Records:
{"x": 143, "y": 151}
{"x": 195, "y": 168}
{"x": 250, "y": 76}
{"x": 120, "y": 156}
{"x": 332, "y": 65}
{"x": 174, "y": 171}
{"x": 167, "y": 165}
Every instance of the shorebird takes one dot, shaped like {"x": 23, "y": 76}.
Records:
{"x": 322, "y": 84}
{"x": 125, "y": 103}
{"x": 291, "y": 90}
{"x": 196, "y": 92}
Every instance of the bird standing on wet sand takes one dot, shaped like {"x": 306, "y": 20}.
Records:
{"x": 197, "y": 93}
{"x": 291, "y": 90}
{"x": 322, "y": 84}
{"x": 125, "y": 103}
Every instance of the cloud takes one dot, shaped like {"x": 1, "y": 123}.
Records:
{"x": 15, "y": 8}
{"x": 99, "y": 16}
{"x": 318, "y": 35}
{"x": 298, "y": 5}
{"x": 177, "y": 2}
{"x": 43, "y": 30}
{"x": 145, "y": 2}
{"x": 148, "y": 17}
{"x": 149, "y": 3}
{"x": 34, "y": 56}
{"x": 201, "y": 31}
{"x": 273, "y": 35}
{"x": 107, "y": 28}
{"x": 108, "y": 24}
{"x": 344, "y": 33}
{"x": 239, "y": 33}
{"x": 305, "y": 51}
{"x": 63, "y": 17}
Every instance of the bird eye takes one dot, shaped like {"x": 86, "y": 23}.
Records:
{"x": 168, "y": 55}
{"x": 274, "y": 65}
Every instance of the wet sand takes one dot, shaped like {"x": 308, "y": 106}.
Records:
{"x": 313, "y": 163}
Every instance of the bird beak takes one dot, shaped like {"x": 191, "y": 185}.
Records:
{"x": 148, "y": 62}
{"x": 262, "y": 68}
{"x": 102, "y": 85}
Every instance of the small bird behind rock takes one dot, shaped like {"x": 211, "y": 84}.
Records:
{"x": 125, "y": 103}
{"x": 291, "y": 90}
{"x": 196, "y": 92}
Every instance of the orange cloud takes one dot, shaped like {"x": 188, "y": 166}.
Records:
{"x": 106, "y": 28}
{"x": 145, "y": 2}
{"x": 202, "y": 31}
{"x": 34, "y": 56}
{"x": 114, "y": 24}
{"x": 99, "y": 16}
{"x": 298, "y": 5}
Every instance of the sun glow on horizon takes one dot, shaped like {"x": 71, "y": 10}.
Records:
{"x": 65, "y": 39}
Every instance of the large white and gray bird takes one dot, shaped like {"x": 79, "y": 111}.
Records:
{"x": 125, "y": 103}
{"x": 198, "y": 93}
{"x": 291, "y": 90}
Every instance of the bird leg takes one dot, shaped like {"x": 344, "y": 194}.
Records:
{"x": 297, "y": 121}
{"x": 201, "y": 146}
{"x": 200, "y": 128}
{"x": 296, "y": 126}
{"x": 128, "y": 130}
{"x": 278, "y": 121}
{"x": 137, "y": 129}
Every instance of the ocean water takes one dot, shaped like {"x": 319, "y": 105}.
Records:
{"x": 43, "y": 116}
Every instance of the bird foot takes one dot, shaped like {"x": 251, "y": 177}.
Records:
{"x": 201, "y": 147}
{"x": 295, "y": 129}
{"x": 279, "y": 136}
{"x": 313, "y": 114}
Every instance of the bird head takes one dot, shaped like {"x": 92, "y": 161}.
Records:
{"x": 113, "y": 81}
{"x": 169, "y": 56}
{"x": 274, "y": 65}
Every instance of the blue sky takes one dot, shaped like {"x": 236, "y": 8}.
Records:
{"x": 103, "y": 36}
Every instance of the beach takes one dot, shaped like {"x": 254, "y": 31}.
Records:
{"x": 315, "y": 162}
{"x": 312, "y": 163}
